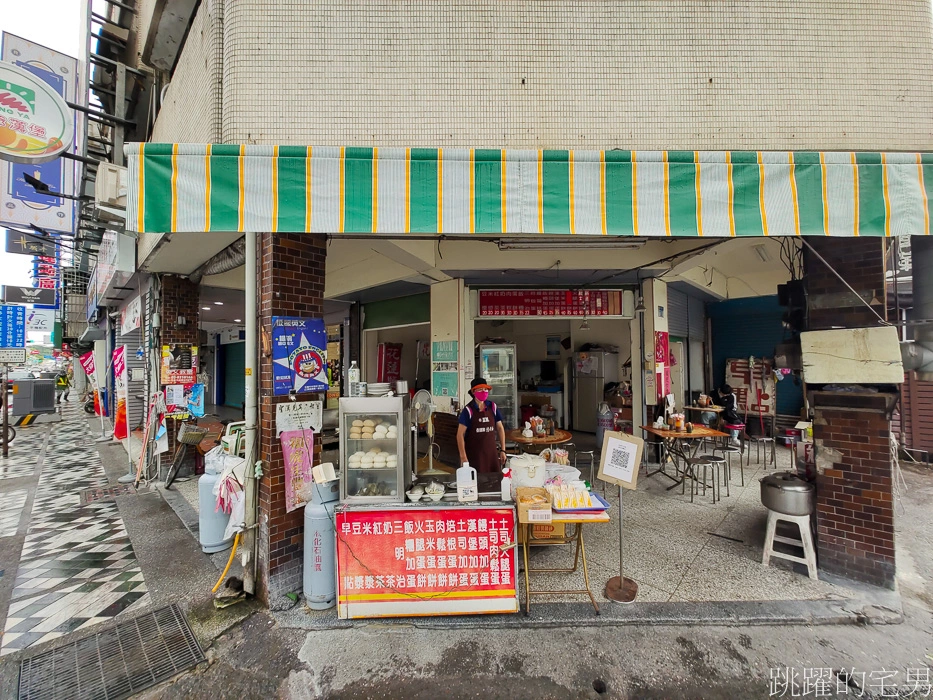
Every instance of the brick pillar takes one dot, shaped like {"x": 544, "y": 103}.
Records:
{"x": 180, "y": 297}
{"x": 291, "y": 271}
{"x": 855, "y": 505}
{"x": 860, "y": 261}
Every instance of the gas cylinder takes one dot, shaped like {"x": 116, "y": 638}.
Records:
{"x": 319, "y": 585}
{"x": 604, "y": 422}
{"x": 211, "y": 524}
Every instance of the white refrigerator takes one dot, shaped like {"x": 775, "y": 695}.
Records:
{"x": 591, "y": 372}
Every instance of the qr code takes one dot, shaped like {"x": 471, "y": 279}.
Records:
{"x": 621, "y": 461}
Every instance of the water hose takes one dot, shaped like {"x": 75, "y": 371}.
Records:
{"x": 236, "y": 541}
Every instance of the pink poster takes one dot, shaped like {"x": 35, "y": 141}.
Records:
{"x": 298, "y": 451}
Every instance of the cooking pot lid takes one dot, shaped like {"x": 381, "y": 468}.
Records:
{"x": 787, "y": 481}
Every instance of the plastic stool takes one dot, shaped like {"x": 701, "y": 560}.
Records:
{"x": 727, "y": 453}
{"x": 806, "y": 542}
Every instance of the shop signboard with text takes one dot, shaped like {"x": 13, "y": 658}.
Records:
{"x": 179, "y": 364}
{"x": 299, "y": 355}
{"x": 425, "y": 561}
{"x": 12, "y": 326}
{"x": 510, "y": 303}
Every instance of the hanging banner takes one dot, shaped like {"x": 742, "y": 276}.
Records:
{"x": 130, "y": 316}
{"x": 40, "y": 321}
{"x": 87, "y": 364}
{"x": 12, "y": 326}
{"x": 299, "y": 355}
{"x": 389, "y": 362}
{"x": 26, "y": 244}
{"x": 179, "y": 364}
{"x": 120, "y": 428}
{"x": 298, "y": 452}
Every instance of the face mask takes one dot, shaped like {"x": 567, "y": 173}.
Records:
{"x": 480, "y": 395}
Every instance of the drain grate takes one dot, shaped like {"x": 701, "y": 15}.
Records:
{"x": 134, "y": 655}
{"x": 105, "y": 494}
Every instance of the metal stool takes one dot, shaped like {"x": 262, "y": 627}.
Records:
{"x": 806, "y": 542}
{"x": 727, "y": 453}
{"x": 762, "y": 441}
{"x": 715, "y": 463}
{"x": 690, "y": 472}
{"x": 590, "y": 455}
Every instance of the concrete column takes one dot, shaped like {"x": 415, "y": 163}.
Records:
{"x": 449, "y": 306}
{"x": 291, "y": 271}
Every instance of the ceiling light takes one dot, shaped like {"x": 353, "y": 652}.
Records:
{"x": 205, "y": 308}
{"x": 763, "y": 253}
{"x": 218, "y": 303}
{"x": 548, "y": 242}
{"x": 237, "y": 320}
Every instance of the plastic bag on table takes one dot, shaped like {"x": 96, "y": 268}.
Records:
{"x": 567, "y": 474}
{"x": 237, "y": 515}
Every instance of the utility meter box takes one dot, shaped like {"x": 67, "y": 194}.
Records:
{"x": 33, "y": 396}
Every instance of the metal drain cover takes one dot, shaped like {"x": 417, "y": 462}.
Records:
{"x": 136, "y": 654}
{"x": 105, "y": 494}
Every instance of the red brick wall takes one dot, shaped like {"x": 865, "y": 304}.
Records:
{"x": 180, "y": 297}
{"x": 291, "y": 268}
{"x": 860, "y": 261}
{"x": 855, "y": 507}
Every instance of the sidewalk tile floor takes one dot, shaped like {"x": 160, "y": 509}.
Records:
{"x": 77, "y": 566}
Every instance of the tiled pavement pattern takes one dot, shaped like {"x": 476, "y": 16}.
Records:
{"x": 77, "y": 566}
{"x": 11, "y": 511}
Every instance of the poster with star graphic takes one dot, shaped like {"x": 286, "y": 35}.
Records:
{"x": 299, "y": 355}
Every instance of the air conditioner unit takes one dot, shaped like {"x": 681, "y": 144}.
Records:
{"x": 33, "y": 396}
{"x": 110, "y": 192}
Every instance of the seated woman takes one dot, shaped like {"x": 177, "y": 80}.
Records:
{"x": 730, "y": 414}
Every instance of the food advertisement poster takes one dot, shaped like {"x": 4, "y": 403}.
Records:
{"x": 179, "y": 364}
{"x": 425, "y": 562}
{"x": 298, "y": 452}
{"x": 299, "y": 355}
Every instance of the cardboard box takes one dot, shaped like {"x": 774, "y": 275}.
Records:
{"x": 543, "y": 532}
{"x": 534, "y": 513}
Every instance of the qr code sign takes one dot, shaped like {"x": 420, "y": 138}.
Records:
{"x": 620, "y": 460}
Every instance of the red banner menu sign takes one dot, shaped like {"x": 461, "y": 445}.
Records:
{"x": 550, "y": 302}
{"x": 425, "y": 561}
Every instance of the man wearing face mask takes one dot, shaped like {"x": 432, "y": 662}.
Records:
{"x": 481, "y": 433}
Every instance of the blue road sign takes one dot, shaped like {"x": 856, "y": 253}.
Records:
{"x": 12, "y": 326}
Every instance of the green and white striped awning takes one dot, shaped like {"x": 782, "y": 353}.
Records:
{"x": 399, "y": 191}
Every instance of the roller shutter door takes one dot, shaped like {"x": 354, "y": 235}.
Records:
{"x": 678, "y": 323}
{"x": 136, "y": 372}
{"x": 696, "y": 318}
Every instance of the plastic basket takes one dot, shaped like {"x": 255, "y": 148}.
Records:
{"x": 191, "y": 434}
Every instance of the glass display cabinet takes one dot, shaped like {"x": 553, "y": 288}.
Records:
{"x": 375, "y": 449}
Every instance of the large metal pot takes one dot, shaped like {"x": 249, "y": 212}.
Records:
{"x": 787, "y": 493}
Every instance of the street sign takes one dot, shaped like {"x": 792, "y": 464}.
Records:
{"x": 27, "y": 244}
{"x": 29, "y": 295}
{"x": 12, "y": 326}
{"x": 12, "y": 356}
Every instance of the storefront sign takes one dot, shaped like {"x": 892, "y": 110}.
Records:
{"x": 87, "y": 364}
{"x": 550, "y": 302}
{"x": 299, "y": 355}
{"x": 298, "y": 452}
{"x": 179, "y": 364}
{"x": 29, "y": 295}
{"x": 26, "y": 244}
{"x": 425, "y": 561}
{"x": 121, "y": 382}
{"x": 40, "y": 321}
{"x": 131, "y": 316}
{"x": 12, "y": 326}
{"x": 36, "y": 125}
{"x": 298, "y": 415}
{"x": 23, "y": 205}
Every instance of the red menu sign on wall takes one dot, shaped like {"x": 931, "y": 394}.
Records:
{"x": 389, "y": 362}
{"x": 425, "y": 561}
{"x": 550, "y": 302}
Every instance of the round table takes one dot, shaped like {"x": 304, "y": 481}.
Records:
{"x": 536, "y": 444}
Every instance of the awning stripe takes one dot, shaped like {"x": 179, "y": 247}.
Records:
{"x": 391, "y": 191}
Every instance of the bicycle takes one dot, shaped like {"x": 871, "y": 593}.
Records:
{"x": 10, "y": 430}
{"x": 188, "y": 434}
